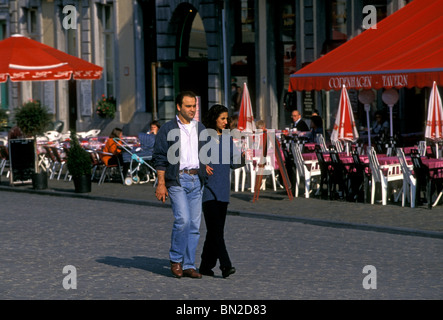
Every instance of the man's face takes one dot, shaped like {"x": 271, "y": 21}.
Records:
{"x": 186, "y": 111}
{"x": 295, "y": 116}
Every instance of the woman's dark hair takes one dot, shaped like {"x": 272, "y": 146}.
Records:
{"x": 115, "y": 133}
{"x": 155, "y": 123}
{"x": 210, "y": 119}
{"x": 317, "y": 121}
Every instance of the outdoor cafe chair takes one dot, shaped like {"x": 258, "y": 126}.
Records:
{"x": 422, "y": 148}
{"x": 53, "y": 135}
{"x": 359, "y": 176}
{"x": 60, "y": 160}
{"x": 339, "y": 146}
{"x": 324, "y": 171}
{"x": 306, "y": 170}
{"x": 382, "y": 175}
{"x": 264, "y": 169}
{"x": 409, "y": 181}
{"x": 53, "y": 163}
{"x": 337, "y": 176}
{"x": 109, "y": 168}
{"x": 96, "y": 163}
{"x": 92, "y": 133}
{"x": 425, "y": 180}
{"x": 321, "y": 141}
{"x": 239, "y": 171}
{"x": 4, "y": 156}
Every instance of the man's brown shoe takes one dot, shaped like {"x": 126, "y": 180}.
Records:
{"x": 191, "y": 273}
{"x": 176, "y": 269}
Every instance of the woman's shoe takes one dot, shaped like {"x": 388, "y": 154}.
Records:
{"x": 207, "y": 272}
{"x": 226, "y": 272}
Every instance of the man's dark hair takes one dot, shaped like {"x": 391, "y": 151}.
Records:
{"x": 181, "y": 95}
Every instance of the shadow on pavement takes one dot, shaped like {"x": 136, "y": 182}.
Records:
{"x": 154, "y": 265}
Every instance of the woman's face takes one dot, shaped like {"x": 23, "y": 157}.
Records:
{"x": 222, "y": 121}
{"x": 154, "y": 129}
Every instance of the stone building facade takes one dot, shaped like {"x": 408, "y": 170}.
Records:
{"x": 152, "y": 49}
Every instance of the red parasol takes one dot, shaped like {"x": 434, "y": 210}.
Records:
{"x": 245, "y": 117}
{"x": 344, "y": 127}
{"x": 434, "y": 123}
{"x": 24, "y": 59}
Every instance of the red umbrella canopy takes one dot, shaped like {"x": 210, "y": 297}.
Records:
{"x": 434, "y": 123}
{"x": 245, "y": 116}
{"x": 24, "y": 59}
{"x": 344, "y": 127}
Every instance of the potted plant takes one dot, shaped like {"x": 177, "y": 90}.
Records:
{"x": 33, "y": 118}
{"x": 106, "y": 107}
{"x": 79, "y": 165}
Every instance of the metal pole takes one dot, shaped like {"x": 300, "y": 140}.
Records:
{"x": 154, "y": 66}
{"x": 225, "y": 62}
{"x": 367, "y": 108}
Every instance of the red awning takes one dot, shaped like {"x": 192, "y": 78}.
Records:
{"x": 405, "y": 50}
{"x": 24, "y": 59}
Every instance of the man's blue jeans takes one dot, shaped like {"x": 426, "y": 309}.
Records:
{"x": 186, "y": 203}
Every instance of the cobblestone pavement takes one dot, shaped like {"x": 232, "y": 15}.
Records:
{"x": 119, "y": 248}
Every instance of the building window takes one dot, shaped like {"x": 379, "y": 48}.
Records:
{"x": 33, "y": 23}
{"x": 337, "y": 28}
{"x": 244, "y": 21}
{"x": 288, "y": 37}
{"x": 107, "y": 31}
{"x": 248, "y": 21}
{"x": 336, "y": 25}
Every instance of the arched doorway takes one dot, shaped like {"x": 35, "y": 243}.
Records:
{"x": 191, "y": 64}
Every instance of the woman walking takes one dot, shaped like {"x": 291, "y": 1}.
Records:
{"x": 217, "y": 191}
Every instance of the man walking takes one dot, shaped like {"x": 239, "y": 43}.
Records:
{"x": 181, "y": 177}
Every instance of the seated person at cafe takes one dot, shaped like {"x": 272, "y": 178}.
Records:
{"x": 380, "y": 125}
{"x": 297, "y": 122}
{"x": 154, "y": 126}
{"x": 114, "y": 148}
{"x": 317, "y": 128}
{"x": 147, "y": 140}
{"x": 145, "y": 150}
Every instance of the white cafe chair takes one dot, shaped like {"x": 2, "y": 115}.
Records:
{"x": 409, "y": 181}
{"x": 239, "y": 172}
{"x": 92, "y": 133}
{"x": 321, "y": 141}
{"x": 383, "y": 175}
{"x": 53, "y": 135}
{"x": 305, "y": 170}
{"x": 267, "y": 170}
